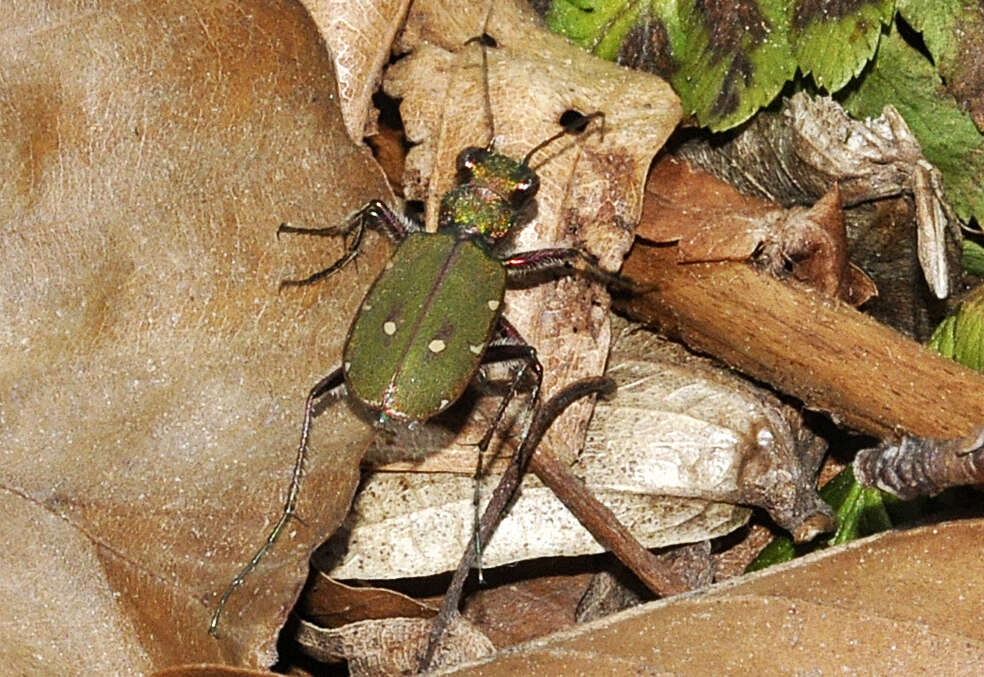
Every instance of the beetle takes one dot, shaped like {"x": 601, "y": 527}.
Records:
{"x": 433, "y": 316}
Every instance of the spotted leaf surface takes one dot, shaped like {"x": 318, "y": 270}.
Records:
{"x": 728, "y": 59}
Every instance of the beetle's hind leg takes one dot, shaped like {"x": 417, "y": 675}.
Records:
{"x": 373, "y": 214}
{"x": 512, "y": 348}
{"x": 324, "y": 386}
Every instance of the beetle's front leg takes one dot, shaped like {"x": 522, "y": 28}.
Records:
{"x": 567, "y": 261}
{"x": 373, "y": 214}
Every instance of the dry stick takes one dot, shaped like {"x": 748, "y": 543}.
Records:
{"x": 831, "y": 356}
{"x": 604, "y": 526}
{"x": 571, "y": 492}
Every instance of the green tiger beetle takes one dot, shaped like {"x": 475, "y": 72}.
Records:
{"x": 434, "y": 314}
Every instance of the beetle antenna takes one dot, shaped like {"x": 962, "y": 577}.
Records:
{"x": 575, "y": 126}
{"x": 486, "y": 41}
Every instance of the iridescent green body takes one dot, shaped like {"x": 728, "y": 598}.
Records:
{"x": 424, "y": 326}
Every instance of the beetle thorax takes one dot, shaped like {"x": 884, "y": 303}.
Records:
{"x": 492, "y": 188}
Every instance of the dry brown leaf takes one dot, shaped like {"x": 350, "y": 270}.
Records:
{"x": 710, "y": 220}
{"x": 897, "y": 603}
{"x": 418, "y": 525}
{"x": 153, "y": 377}
{"x": 522, "y": 610}
{"x": 391, "y": 646}
{"x": 681, "y": 425}
{"x": 358, "y": 36}
{"x": 211, "y": 671}
{"x": 332, "y": 604}
{"x": 796, "y": 155}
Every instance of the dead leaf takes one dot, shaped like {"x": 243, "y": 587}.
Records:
{"x": 358, "y": 36}
{"x": 405, "y": 525}
{"x": 211, "y": 671}
{"x": 391, "y": 646}
{"x": 332, "y": 604}
{"x": 154, "y": 378}
{"x": 681, "y": 425}
{"x": 522, "y": 610}
{"x": 710, "y": 220}
{"x": 796, "y": 155}
{"x": 896, "y": 603}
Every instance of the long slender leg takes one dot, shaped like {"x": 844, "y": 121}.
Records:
{"x": 568, "y": 261}
{"x": 504, "y": 353}
{"x": 325, "y": 385}
{"x": 375, "y": 212}
{"x": 503, "y": 494}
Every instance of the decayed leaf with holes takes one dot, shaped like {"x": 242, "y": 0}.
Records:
{"x": 728, "y": 58}
{"x": 907, "y": 602}
{"x": 153, "y": 377}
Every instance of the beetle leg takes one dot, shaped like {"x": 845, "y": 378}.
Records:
{"x": 503, "y": 494}
{"x": 374, "y": 213}
{"x": 567, "y": 261}
{"x": 325, "y": 385}
{"x": 507, "y": 352}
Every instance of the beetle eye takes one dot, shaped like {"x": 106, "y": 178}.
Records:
{"x": 468, "y": 159}
{"x": 524, "y": 191}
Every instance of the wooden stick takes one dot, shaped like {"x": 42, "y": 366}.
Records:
{"x": 605, "y": 527}
{"x": 831, "y": 356}
{"x": 598, "y": 519}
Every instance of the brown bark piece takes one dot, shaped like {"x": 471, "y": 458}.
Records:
{"x": 824, "y": 352}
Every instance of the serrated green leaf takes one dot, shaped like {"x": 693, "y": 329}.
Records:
{"x": 833, "y": 41}
{"x": 904, "y": 78}
{"x": 943, "y": 340}
{"x": 953, "y": 31}
{"x": 960, "y": 336}
{"x": 727, "y": 59}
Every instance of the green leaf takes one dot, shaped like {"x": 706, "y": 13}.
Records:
{"x": 727, "y": 59}
{"x": 904, "y": 78}
{"x": 833, "y": 41}
{"x": 780, "y": 549}
{"x": 960, "y": 336}
{"x": 973, "y": 257}
{"x": 860, "y": 512}
{"x": 953, "y": 31}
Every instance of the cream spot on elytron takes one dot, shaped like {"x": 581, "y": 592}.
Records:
{"x": 475, "y": 349}
{"x": 493, "y": 304}
{"x": 436, "y": 346}
{"x": 389, "y": 328}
